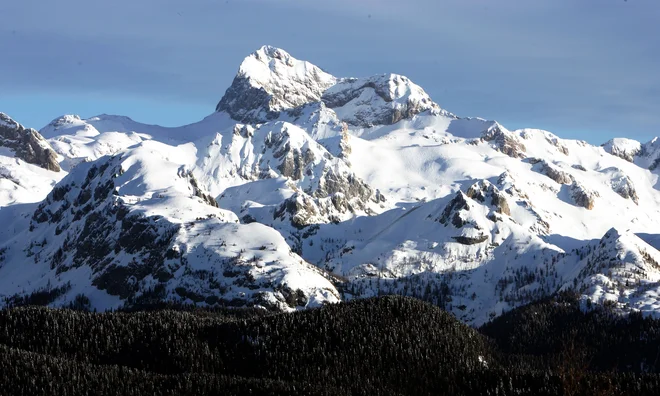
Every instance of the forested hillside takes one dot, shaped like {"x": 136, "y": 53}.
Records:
{"x": 387, "y": 345}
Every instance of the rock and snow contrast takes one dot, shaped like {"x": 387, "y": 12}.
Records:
{"x": 303, "y": 189}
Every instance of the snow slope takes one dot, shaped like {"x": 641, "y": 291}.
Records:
{"x": 136, "y": 227}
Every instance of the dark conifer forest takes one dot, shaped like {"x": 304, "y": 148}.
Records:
{"x": 380, "y": 346}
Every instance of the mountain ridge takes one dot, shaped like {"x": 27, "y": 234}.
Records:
{"x": 304, "y": 189}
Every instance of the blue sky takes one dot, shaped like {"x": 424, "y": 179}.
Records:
{"x": 585, "y": 69}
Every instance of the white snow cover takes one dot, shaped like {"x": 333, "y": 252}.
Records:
{"x": 270, "y": 66}
{"x": 21, "y": 182}
{"x": 337, "y": 176}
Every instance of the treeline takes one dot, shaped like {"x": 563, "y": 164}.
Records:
{"x": 381, "y": 346}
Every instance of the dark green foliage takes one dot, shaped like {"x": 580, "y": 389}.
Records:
{"x": 598, "y": 340}
{"x": 41, "y": 297}
{"x": 80, "y": 303}
{"x": 383, "y": 346}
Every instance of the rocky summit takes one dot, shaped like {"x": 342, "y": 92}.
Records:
{"x": 304, "y": 189}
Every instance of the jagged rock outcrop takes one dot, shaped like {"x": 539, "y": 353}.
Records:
{"x": 555, "y": 173}
{"x": 484, "y": 191}
{"x": 625, "y": 188}
{"x": 458, "y": 213}
{"x": 347, "y": 184}
{"x": 649, "y": 155}
{"x": 465, "y": 240}
{"x": 325, "y": 189}
{"x": 475, "y": 212}
{"x": 337, "y": 196}
{"x": 301, "y": 210}
{"x": 451, "y": 213}
{"x": 582, "y": 196}
{"x": 555, "y": 141}
{"x": 88, "y": 225}
{"x": 27, "y": 144}
{"x": 504, "y": 141}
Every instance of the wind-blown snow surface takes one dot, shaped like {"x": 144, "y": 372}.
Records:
{"x": 304, "y": 188}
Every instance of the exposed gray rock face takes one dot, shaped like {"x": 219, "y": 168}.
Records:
{"x": 555, "y": 173}
{"x": 465, "y": 212}
{"x": 328, "y": 176}
{"x": 337, "y": 194}
{"x": 241, "y": 96}
{"x": 347, "y": 184}
{"x": 485, "y": 192}
{"x": 582, "y": 196}
{"x": 451, "y": 213}
{"x": 27, "y": 144}
{"x": 464, "y": 240}
{"x": 553, "y": 140}
{"x": 626, "y": 188}
{"x": 504, "y": 141}
{"x": 270, "y": 81}
{"x": 300, "y": 209}
{"x": 325, "y": 189}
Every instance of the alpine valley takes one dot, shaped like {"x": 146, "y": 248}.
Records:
{"x": 304, "y": 189}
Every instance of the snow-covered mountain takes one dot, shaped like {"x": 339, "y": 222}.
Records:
{"x": 304, "y": 188}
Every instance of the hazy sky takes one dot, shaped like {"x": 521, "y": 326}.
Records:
{"x": 586, "y": 69}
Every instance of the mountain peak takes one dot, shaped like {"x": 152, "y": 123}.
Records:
{"x": 269, "y": 81}
{"x": 269, "y": 53}
{"x": 7, "y": 121}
